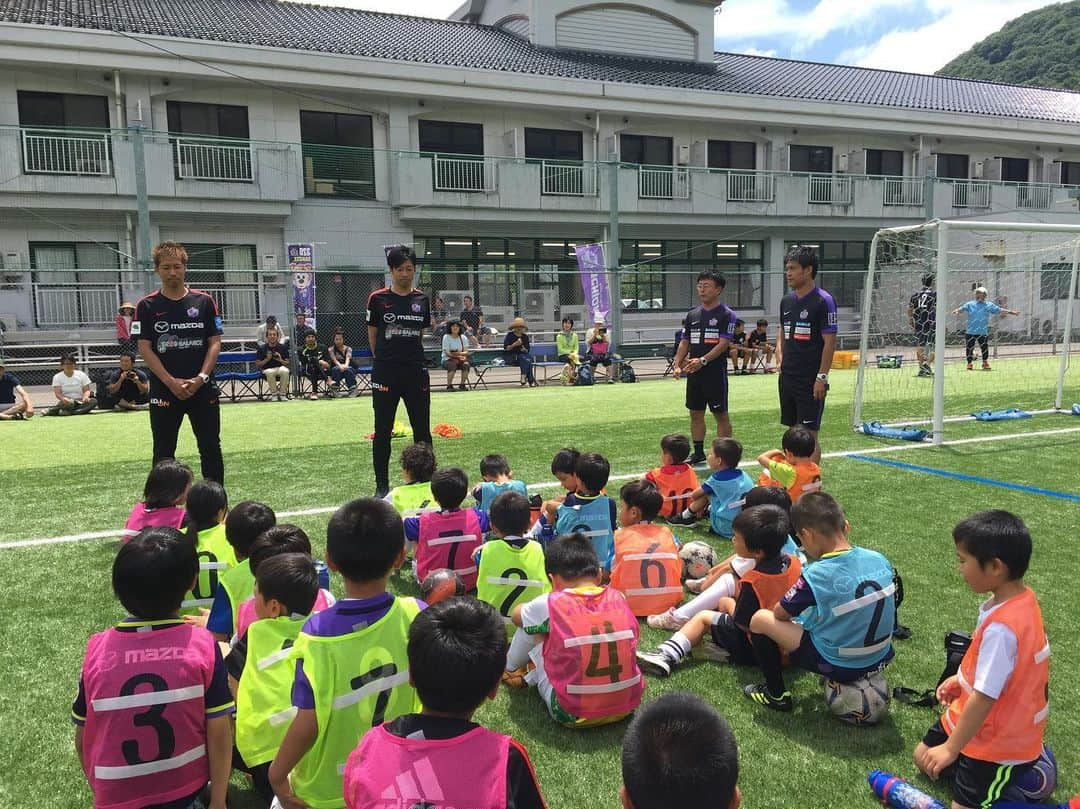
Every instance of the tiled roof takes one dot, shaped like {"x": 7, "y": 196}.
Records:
{"x": 456, "y": 44}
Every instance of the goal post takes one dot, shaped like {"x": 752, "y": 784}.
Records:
{"x": 987, "y": 270}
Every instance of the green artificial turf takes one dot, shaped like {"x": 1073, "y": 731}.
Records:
{"x": 75, "y": 475}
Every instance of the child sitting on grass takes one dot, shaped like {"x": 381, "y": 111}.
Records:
{"x": 837, "y": 620}
{"x": 244, "y": 524}
{"x": 126, "y": 682}
{"x": 647, "y": 567}
{"x": 260, "y": 667}
{"x": 679, "y": 752}
{"x": 207, "y": 505}
{"x": 722, "y": 493}
{"x": 449, "y": 537}
{"x": 992, "y": 731}
{"x": 414, "y": 495}
{"x": 164, "y": 496}
{"x": 581, "y": 638}
{"x": 497, "y": 478}
{"x": 760, "y": 534}
{"x": 587, "y": 511}
{"x": 675, "y": 478}
{"x": 456, "y": 650}
{"x": 792, "y": 467}
{"x": 510, "y": 567}
{"x": 337, "y": 697}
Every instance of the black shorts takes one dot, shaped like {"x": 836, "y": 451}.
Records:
{"x": 733, "y": 640}
{"x": 979, "y": 783}
{"x": 708, "y": 389}
{"x": 798, "y": 405}
{"x": 924, "y": 336}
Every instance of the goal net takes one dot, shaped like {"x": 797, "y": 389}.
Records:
{"x": 924, "y": 363}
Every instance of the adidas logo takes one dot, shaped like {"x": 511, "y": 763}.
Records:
{"x": 418, "y": 784}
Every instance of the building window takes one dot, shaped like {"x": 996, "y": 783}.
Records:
{"x": 953, "y": 166}
{"x": 732, "y": 154}
{"x": 63, "y": 110}
{"x": 842, "y": 269}
{"x": 812, "y": 159}
{"x": 1014, "y": 169}
{"x": 227, "y": 273}
{"x": 74, "y": 283}
{"x": 1054, "y": 281}
{"x": 884, "y": 163}
{"x": 46, "y": 151}
{"x": 645, "y": 150}
{"x": 338, "y": 158}
{"x": 449, "y": 138}
{"x": 662, "y": 274}
{"x": 199, "y": 155}
{"x": 553, "y": 144}
{"x": 210, "y": 120}
{"x": 1070, "y": 173}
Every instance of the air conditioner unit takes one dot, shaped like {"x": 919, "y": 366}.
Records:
{"x": 842, "y": 162}
{"x": 683, "y": 157}
{"x": 510, "y": 143}
{"x": 576, "y": 314}
{"x": 539, "y": 304}
{"x": 269, "y": 263}
{"x": 9, "y": 323}
{"x": 12, "y": 261}
{"x": 453, "y": 300}
{"x": 977, "y": 170}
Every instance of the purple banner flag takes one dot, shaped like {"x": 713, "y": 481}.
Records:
{"x": 590, "y": 258}
{"x": 302, "y": 273}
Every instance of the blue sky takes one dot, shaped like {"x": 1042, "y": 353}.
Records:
{"x": 918, "y": 36}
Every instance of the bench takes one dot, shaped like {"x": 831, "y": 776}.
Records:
{"x": 236, "y": 384}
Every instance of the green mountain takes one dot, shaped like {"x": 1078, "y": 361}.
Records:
{"x": 1039, "y": 49}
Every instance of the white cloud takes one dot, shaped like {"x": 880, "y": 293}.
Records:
{"x": 958, "y": 25}
{"x": 770, "y": 52}
{"x": 417, "y": 8}
{"x": 741, "y": 20}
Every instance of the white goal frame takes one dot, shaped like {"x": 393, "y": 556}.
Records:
{"x": 942, "y": 229}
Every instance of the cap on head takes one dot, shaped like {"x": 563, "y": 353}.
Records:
{"x": 127, "y": 305}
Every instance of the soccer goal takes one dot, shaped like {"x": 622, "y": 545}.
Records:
{"x": 944, "y": 292}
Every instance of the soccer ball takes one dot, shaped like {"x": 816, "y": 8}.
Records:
{"x": 698, "y": 559}
{"x": 440, "y": 585}
{"x": 1039, "y": 780}
{"x": 862, "y": 702}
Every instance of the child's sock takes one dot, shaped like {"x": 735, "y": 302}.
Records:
{"x": 675, "y": 648}
{"x": 688, "y": 514}
{"x": 767, "y": 654}
{"x": 699, "y": 447}
{"x": 709, "y": 598}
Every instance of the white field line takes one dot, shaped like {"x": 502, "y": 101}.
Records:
{"x": 307, "y": 512}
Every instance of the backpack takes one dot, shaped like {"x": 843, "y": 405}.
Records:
{"x": 627, "y": 374}
{"x": 584, "y": 375}
{"x": 569, "y": 374}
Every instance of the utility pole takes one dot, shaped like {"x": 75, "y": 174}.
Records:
{"x": 612, "y": 252}
{"x": 142, "y": 201}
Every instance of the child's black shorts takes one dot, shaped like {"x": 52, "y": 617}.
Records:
{"x": 733, "y": 640}
{"x": 975, "y": 782}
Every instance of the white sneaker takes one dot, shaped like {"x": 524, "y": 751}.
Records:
{"x": 654, "y": 663}
{"x": 695, "y": 586}
{"x": 666, "y": 620}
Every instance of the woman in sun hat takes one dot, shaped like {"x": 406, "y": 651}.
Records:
{"x": 124, "y": 316}
{"x": 516, "y": 345}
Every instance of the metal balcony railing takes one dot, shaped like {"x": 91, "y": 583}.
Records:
{"x": 751, "y": 186}
{"x": 465, "y": 173}
{"x": 829, "y": 189}
{"x": 564, "y": 178}
{"x": 663, "y": 182}
{"x": 48, "y": 152}
{"x": 75, "y": 304}
{"x": 903, "y": 191}
{"x": 213, "y": 160}
{"x": 1029, "y": 195}
{"x": 347, "y": 171}
{"x": 968, "y": 194}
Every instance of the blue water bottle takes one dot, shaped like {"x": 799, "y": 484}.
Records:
{"x": 899, "y": 794}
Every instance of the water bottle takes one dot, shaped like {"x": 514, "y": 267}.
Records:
{"x": 899, "y": 794}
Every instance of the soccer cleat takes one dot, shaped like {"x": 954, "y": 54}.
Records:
{"x": 924, "y": 370}
{"x": 969, "y": 366}
{"x": 666, "y": 620}
{"x": 516, "y": 677}
{"x": 381, "y": 492}
{"x": 696, "y": 458}
{"x": 759, "y": 693}
{"x": 986, "y": 366}
{"x": 679, "y": 519}
{"x": 695, "y": 586}
{"x": 654, "y": 663}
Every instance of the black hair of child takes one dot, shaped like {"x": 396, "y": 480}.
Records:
{"x": 457, "y": 654}
{"x": 727, "y": 450}
{"x": 799, "y": 441}
{"x": 819, "y": 512}
{"x": 764, "y": 528}
{"x": 166, "y": 483}
{"x": 768, "y": 496}
{"x": 805, "y": 257}
{"x": 571, "y": 556}
{"x": 449, "y": 486}
{"x": 419, "y": 461}
{"x": 152, "y": 573}
{"x": 762, "y": 322}
{"x": 679, "y": 751}
{"x": 205, "y": 500}
{"x": 245, "y": 522}
{"x": 278, "y": 539}
{"x": 364, "y": 539}
{"x": 290, "y": 578}
{"x": 677, "y": 447}
{"x": 493, "y": 465}
{"x": 510, "y": 514}
{"x": 565, "y": 461}
{"x": 592, "y": 471}
{"x": 996, "y": 534}
{"x": 644, "y": 496}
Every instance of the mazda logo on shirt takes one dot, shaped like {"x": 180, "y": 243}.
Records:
{"x": 388, "y": 317}
{"x": 161, "y": 326}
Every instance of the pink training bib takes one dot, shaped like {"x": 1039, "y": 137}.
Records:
{"x": 388, "y": 772}
{"x": 448, "y": 539}
{"x": 141, "y": 517}
{"x": 589, "y": 653}
{"x": 245, "y": 615}
{"x": 144, "y": 740}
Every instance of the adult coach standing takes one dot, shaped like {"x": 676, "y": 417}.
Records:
{"x": 179, "y": 334}
{"x": 806, "y": 344}
{"x": 396, "y": 318}
{"x": 706, "y": 333}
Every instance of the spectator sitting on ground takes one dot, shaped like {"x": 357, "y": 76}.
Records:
{"x": 260, "y": 334}
{"x": 340, "y": 357}
{"x": 473, "y": 319}
{"x": 127, "y": 387}
{"x": 123, "y": 328}
{"x": 455, "y": 355}
{"x": 516, "y": 344}
{"x": 310, "y": 357}
{"x": 273, "y": 360}
{"x": 566, "y": 341}
{"x": 72, "y": 390}
{"x": 15, "y": 402}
